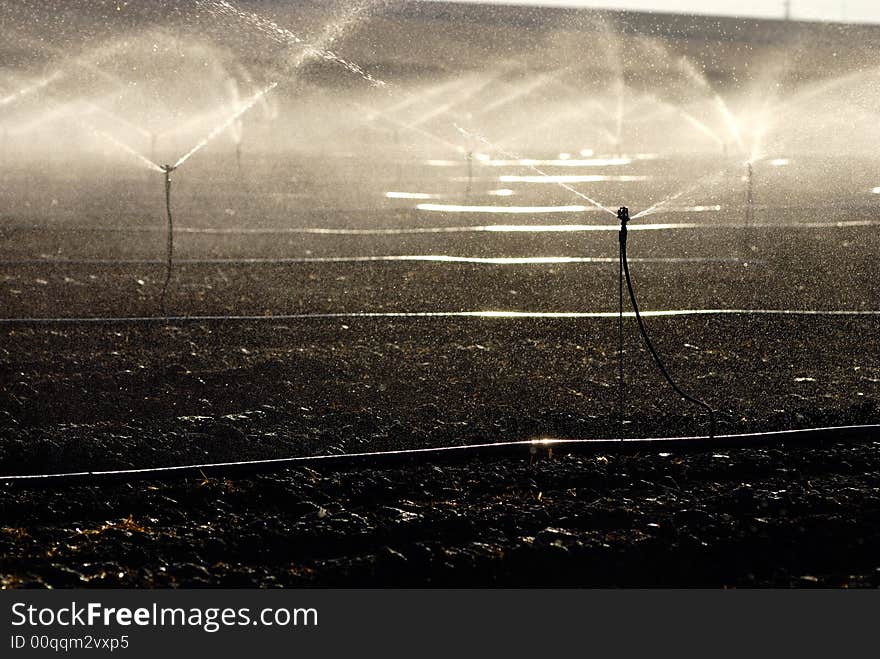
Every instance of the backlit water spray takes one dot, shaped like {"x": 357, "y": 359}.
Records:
{"x": 525, "y": 163}
{"x": 708, "y": 179}
{"x": 30, "y": 89}
{"x": 166, "y": 171}
{"x": 119, "y": 144}
{"x": 230, "y": 120}
{"x": 287, "y": 37}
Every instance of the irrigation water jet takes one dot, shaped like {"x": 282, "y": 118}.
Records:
{"x": 493, "y": 147}
{"x": 699, "y": 183}
{"x": 168, "y": 169}
{"x": 623, "y": 272}
{"x": 147, "y": 162}
{"x": 229, "y": 121}
{"x": 286, "y": 37}
{"x": 371, "y": 114}
{"x": 30, "y": 89}
{"x": 151, "y": 136}
{"x": 521, "y": 92}
{"x": 705, "y": 130}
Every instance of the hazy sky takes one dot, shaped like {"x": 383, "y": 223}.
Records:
{"x": 832, "y": 10}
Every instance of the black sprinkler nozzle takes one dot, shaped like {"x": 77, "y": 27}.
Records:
{"x": 623, "y": 215}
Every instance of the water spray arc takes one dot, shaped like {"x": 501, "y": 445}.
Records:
{"x": 224, "y": 125}
{"x": 624, "y": 276}
{"x": 154, "y": 141}
{"x": 166, "y": 170}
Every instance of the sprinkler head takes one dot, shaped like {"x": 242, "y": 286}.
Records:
{"x": 168, "y": 168}
{"x": 623, "y": 215}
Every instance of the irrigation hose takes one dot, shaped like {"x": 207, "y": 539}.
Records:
{"x": 453, "y": 454}
{"x": 422, "y": 315}
{"x": 623, "y": 213}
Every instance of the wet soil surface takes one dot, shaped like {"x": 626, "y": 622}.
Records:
{"x": 112, "y": 395}
{"x": 780, "y": 517}
{"x": 90, "y": 397}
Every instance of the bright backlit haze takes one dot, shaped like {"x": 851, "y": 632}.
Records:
{"x": 853, "y": 11}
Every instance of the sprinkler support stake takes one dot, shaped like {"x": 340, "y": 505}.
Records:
{"x": 750, "y": 206}
{"x": 623, "y": 216}
{"x": 470, "y": 168}
{"x": 750, "y": 193}
{"x": 169, "y": 263}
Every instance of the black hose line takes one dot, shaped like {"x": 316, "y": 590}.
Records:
{"x": 453, "y": 454}
{"x": 623, "y": 215}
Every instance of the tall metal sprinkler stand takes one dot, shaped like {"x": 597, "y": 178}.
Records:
{"x": 623, "y": 216}
{"x": 750, "y": 207}
{"x": 470, "y": 173}
{"x": 750, "y": 192}
{"x": 624, "y": 276}
{"x": 169, "y": 254}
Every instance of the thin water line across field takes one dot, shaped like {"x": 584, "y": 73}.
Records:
{"x": 406, "y": 258}
{"x": 484, "y": 228}
{"x": 497, "y": 314}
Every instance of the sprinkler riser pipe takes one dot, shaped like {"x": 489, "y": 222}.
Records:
{"x": 750, "y": 192}
{"x": 623, "y": 216}
{"x": 169, "y": 264}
